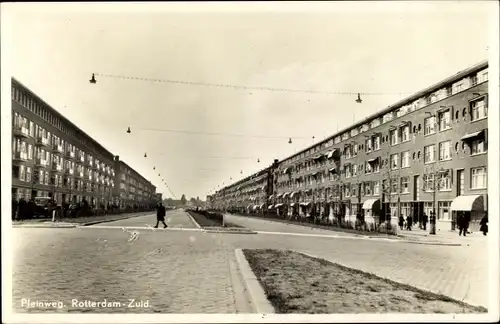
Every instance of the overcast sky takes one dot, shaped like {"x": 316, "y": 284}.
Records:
{"x": 387, "y": 48}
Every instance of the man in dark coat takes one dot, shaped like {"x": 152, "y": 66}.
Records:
{"x": 425, "y": 219}
{"x": 22, "y": 209}
{"x": 484, "y": 225}
{"x": 14, "y": 208}
{"x": 160, "y": 215}
{"x": 461, "y": 224}
{"x": 30, "y": 209}
{"x": 409, "y": 222}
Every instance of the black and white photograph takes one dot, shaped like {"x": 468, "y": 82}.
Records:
{"x": 327, "y": 161}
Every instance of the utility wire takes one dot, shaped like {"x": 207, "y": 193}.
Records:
{"x": 242, "y": 87}
{"x": 217, "y": 134}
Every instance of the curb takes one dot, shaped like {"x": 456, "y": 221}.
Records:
{"x": 260, "y": 303}
{"x": 194, "y": 221}
{"x": 112, "y": 220}
{"x": 229, "y": 232}
{"x": 44, "y": 226}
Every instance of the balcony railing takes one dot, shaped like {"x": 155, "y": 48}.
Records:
{"x": 20, "y": 131}
{"x": 41, "y": 162}
{"x": 23, "y": 156}
{"x": 57, "y": 148}
{"x": 81, "y": 157}
{"x": 79, "y": 174}
{"x": 57, "y": 167}
{"x": 69, "y": 171}
{"x": 70, "y": 154}
{"x": 40, "y": 140}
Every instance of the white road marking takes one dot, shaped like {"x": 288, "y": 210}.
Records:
{"x": 125, "y": 228}
{"x": 328, "y": 236}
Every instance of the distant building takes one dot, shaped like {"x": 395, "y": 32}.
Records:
{"x": 158, "y": 197}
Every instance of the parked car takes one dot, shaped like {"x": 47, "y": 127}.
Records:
{"x": 43, "y": 206}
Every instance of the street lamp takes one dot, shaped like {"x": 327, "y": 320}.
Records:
{"x": 92, "y": 80}
{"x": 128, "y": 130}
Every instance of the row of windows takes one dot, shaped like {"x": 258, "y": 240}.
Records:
{"x": 43, "y": 136}
{"x": 478, "y": 180}
{"x": 477, "y": 110}
{"x": 45, "y": 113}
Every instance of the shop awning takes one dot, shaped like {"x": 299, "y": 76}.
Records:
{"x": 270, "y": 197}
{"x": 278, "y": 205}
{"x": 270, "y": 207}
{"x": 314, "y": 174}
{"x": 292, "y": 204}
{"x": 372, "y": 160}
{"x": 305, "y": 203}
{"x": 330, "y": 154}
{"x": 468, "y": 203}
{"x": 255, "y": 207}
{"x": 279, "y": 195}
{"x": 472, "y": 135}
{"x": 261, "y": 205}
{"x": 372, "y": 204}
{"x": 292, "y": 194}
{"x": 317, "y": 157}
{"x": 332, "y": 170}
{"x": 284, "y": 171}
{"x": 285, "y": 194}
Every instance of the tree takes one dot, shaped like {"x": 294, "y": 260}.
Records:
{"x": 183, "y": 200}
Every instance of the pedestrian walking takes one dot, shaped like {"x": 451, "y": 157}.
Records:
{"x": 461, "y": 224}
{"x": 425, "y": 218}
{"x": 31, "y": 208}
{"x": 409, "y": 223}
{"x": 160, "y": 215}
{"x": 484, "y": 225}
{"x": 22, "y": 209}
{"x": 14, "y": 208}
{"x": 401, "y": 222}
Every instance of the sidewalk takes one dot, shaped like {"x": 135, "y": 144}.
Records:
{"x": 81, "y": 221}
{"x": 417, "y": 234}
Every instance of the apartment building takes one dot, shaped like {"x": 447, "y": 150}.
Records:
{"x": 425, "y": 153}
{"x": 132, "y": 189}
{"x": 52, "y": 157}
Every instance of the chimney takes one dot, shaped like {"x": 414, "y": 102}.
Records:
{"x": 117, "y": 158}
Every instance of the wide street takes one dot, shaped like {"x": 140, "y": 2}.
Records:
{"x": 183, "y": 270}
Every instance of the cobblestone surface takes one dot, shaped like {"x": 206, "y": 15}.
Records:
{"x": 194, "y": 272}
{"x": 83, "y": 220}
{"x": 174, "y": 218}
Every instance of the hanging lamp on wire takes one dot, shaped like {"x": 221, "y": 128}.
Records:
{"x": 92, "y": 80}
{"x": 145, "y": 155}
{"x": 258, "y": 161}
{"x": 128, "y": 130}
{"x": 154, "y": 168}
{"x": 359, "y": 99}
{"x": 290, "y": 140}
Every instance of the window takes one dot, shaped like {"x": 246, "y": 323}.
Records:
{"x": 445, "y": 151}
{"x": 368, "y": 167}
{"x": 429, "y": 153}
{"x": 394, "y": 161}
{"x": 368, "y": 189}
{"x": 368, "y": 145}
{"x": 394, "y": 136}
{"x": 444, "y": 210}
{"x": 429, "y": 182}
{"x": 376, "y": 165}
{"x": 28, "y": 174}
{"x": 444, "y": 181}
{"x": 376, "y": 187}
{"x": 355, "y": 150}
{"x": 457, "y": 87}
{"x": 478, "y": 109}
{"x": 478, "y": 147}
{"x": 405, "y": 133}
{"x": 429, "y": 125}
{"x": 478, "y": 178}
{"x": 22, "y": 173}
{"x": 394, "y": 185}
{"x": 354, "y": 170}
{"x": 376, "y": 143}
{"x": 405, "y": 185}
{"x": 444, "y": 120}
{"x": 405, "y": 159}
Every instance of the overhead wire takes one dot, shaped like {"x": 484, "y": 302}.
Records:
{"x": 241, "y": 87}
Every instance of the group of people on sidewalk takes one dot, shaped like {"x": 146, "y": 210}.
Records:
{"x": 408, "y": 223}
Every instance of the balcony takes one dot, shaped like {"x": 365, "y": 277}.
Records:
{"x": 20, "y": 131}
{"x": 81, "y": 158}
{"x": 20, "y": 156}
{"x": 70, "y": 154}
{"x": 69, "y": 171}
{"x": 57, "y": 167}
{"x": 57, "y": 148}
{"x": 42, "y": 141}
{"x": 41, "y": 163}
{"x": 79, "y": 174}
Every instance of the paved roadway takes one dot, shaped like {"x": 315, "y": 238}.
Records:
{"x": 194, "y": 272}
